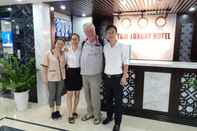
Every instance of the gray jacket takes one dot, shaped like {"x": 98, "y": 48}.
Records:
{"x": 91, "y": 59}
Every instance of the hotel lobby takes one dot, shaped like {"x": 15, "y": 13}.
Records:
{"x": 161, "y": 38}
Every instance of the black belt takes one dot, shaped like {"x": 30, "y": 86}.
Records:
{"x": 113, "y": 76}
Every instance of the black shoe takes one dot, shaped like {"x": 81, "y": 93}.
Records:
{"x": 116, "y": 127}
{"x": 58, "y": 115}
{"x": 53, "y": 115}
{"x": 75, "y": 115}
{"x": 71, "y": 120}
{"x": 107, "y": 120}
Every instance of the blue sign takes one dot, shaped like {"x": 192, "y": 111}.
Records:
{"x": 7, "y": 39}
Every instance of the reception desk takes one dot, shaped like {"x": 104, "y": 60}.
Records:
{"x": 160, "y": 90}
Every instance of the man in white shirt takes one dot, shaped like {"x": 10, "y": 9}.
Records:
{"x": 116, "y": 74}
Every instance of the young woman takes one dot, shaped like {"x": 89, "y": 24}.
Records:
{"x": 74, "y": 80}
{"x": 54, "y": 75}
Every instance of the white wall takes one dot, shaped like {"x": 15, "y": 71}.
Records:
{"x": 42, "y": 40}
{"x": 78, "y": 25}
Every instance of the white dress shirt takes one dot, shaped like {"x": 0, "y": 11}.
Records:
{"x": 73, "y": 57}
{"x": 115, "y": 58}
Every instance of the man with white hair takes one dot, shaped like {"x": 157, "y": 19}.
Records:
{"x": 91, "y": 69}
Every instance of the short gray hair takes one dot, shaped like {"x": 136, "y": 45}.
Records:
{"x": 88, "y": 25}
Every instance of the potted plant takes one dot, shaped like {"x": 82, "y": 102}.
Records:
{"x": 20, "y": 78}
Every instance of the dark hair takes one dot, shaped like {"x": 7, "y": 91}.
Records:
{"x": 111, "y": 26}
{"x": 61, "y": 39}
{"x": 75, "y": 35}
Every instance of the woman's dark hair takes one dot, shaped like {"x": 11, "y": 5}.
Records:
{"x": 111, "y": 26}
{"x": 61, "y": 39}
{"x": 75, "y": 35}
{"x": 56, "y": 39}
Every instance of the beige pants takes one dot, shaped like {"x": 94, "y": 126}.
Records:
{"x": 92, "y": 86}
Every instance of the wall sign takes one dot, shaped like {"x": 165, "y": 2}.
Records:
{"x": 151, "y": 37}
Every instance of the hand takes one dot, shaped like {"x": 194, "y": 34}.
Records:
{"x": 124, "y": 79}
{"x": 46, "y": 83}
{"x": 66, "y": 49}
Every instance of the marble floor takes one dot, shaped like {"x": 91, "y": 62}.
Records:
{"x": 39, "y": 115}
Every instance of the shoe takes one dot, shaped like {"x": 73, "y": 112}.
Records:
{"x": 53, "y": 115}
{"x": 75, "y": 115}
{"x": 116, "y": 127}
{"x": 87, "y": 117}
{"x": 97, "y": 121}
{"x": 58, "y": 115}
{"x": 107, "y": 121}
{"x": 71, "y": 120}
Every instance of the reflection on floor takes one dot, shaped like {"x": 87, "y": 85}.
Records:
{"x": 5, "y": 128}
{"x": 39, "y": 115}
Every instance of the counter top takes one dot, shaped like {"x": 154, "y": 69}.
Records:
{"x": 167, "y": 64}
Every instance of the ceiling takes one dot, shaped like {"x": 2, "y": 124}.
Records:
{"x": 13, "y": 2}
{"x": 109, "y": 7}
{"x": 173, "y": 6}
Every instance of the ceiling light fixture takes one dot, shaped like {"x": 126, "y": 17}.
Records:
{"x": 83, "y": 15}
{"x": 9, "y": 9}
{"x": 142, "y": 22}
{"x": 52, "y": 8}
{"x": 63, "y": 7}
{"x": 192, "y": 9}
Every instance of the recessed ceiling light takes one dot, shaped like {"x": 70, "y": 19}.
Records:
{"x": 63, "y": 7}
{"x": 9, "y": 9}
{"x": 19, "y": 0}
{"x": 7, "y": 23}
{"x": 192, "y": 9}
{"x": 83, "y": 15}
{"x": 184, "y": 16}
{"x": 52, "y": 9}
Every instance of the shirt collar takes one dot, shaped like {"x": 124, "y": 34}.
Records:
{"x": 108, "y": 44}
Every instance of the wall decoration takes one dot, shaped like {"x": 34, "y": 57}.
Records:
{"x": 142, "y": 22}
{"x": 188, "y": 96}
{"x": 126, "y": 23}
{"x": 160, "y": 21}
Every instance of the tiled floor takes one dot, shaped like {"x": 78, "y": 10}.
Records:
{"x": 40, "y": 115}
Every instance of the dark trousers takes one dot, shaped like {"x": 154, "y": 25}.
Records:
{"x": 113, "y": 91}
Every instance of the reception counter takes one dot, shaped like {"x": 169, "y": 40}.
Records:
{"x": 160, "y": 90}
{"x": 164, "y": 64}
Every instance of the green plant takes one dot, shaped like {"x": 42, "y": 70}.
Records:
{"x": 16, "y": 75}
{"x": 192, "y": 83}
